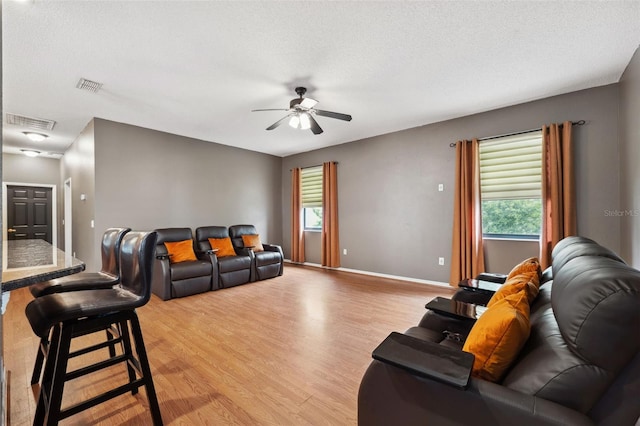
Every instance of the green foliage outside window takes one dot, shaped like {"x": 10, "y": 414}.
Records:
{"x": 313, "y": 218}
{"x": 512, "y": 217}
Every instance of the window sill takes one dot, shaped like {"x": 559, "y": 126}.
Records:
{"x": 313, "y": 230}
{"x": 530, "y": 240}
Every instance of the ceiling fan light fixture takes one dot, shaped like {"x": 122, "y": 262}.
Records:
{"x": 300, "y": 114}
{"x": 30, "y": 152}
{"x": 305, "y": 123}
{"x": 35, "y": 137}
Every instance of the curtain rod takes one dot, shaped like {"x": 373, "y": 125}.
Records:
{"x": 317, "y": 165}
{"x": 574, "y": 123}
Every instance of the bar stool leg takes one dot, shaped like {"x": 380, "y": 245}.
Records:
{"x": 123, "y": 326}
{"x": 43, "y": 348}
{"x": 57, "y": 384}
{"x": 146, "y": 371}
{"x": 41, "y": 408}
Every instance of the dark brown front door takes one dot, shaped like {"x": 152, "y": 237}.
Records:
{"x": 28, "y": 213}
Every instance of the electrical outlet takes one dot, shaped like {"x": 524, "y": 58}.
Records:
{"x": 441, "y": 261}
{"x": 344, "y": 251}
{"x": 441, "y": 187}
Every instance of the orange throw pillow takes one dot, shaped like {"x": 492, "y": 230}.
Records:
{"x": 224, "y": 246}
{"x": 180, "y": 251}
{"x": 527, "y": 266}
{"x": 527, "y": 282}
{"x": 498, "y": 336}
{"x": 252, "y": 240}
{"x": 524, "y": 276}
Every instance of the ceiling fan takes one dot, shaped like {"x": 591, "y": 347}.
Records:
{"x": 301, "y": 111}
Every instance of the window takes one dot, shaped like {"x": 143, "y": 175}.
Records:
{"x": 511, "y": 186}
{"x": 311, "y": 184}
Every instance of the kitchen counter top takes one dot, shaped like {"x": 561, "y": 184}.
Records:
{"x": 26, "y": 262}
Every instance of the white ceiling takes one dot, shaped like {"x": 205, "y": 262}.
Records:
{"x": 198, "y": 68}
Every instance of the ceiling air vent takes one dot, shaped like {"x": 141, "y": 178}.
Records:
{"x": 31, "y": 122}
{"x": 91, "y": 86}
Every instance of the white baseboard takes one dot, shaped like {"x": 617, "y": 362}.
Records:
{"x": 374, "y": 274}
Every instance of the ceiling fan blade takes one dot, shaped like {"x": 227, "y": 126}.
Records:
{"x": 270, "y": 109}
{"x": 315, "y": 127}
{"x": 279, "y": 122}
{"x": 330, "y": 114}
{"x": 308, "y": 103}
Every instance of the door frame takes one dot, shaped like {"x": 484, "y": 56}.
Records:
{"x": 68, "y": 216}
{"x": 54, "y": 208}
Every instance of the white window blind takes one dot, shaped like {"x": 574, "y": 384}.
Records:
{"x": 311, "y": 184}
{"x": 511, "y": 167}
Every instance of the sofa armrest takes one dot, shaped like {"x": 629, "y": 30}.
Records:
{"x": 272, "y": 247}
{"x": 276, "y": 248}
{"x": 492, "y": 278}
{"x": 209, "y": 255}
{"x": 244, "y": 251}
{"x": 426, "y": 359}
{"x": 390, "y": 395}
{"x": 161, "y": 277}
{"x": 455, "y": 308}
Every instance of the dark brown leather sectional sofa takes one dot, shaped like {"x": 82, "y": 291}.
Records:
{"x": 579, "y": 366}
{"x": 210, "y": 272}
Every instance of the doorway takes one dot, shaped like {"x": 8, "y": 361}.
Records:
{"x": 29, "y": 212}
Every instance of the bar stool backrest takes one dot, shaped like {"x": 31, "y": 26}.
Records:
{"x": 111, "y": 240}
{"x": 136, "y": 263}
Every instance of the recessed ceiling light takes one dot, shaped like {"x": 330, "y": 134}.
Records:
{"x": 36, "y": 137}
{"x": 30, "y": 152}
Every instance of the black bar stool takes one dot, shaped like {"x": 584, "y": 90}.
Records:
{"x": 72, "y": 314}
{"x": 107, "y": 277}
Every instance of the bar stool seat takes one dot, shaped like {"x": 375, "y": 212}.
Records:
{"x": 64, "y": 316}
{"x": 107, "y": 277}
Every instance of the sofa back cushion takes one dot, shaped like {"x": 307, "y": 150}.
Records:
{"x": 585, "y": 334}
{"x": 572, "y": 247}
{"x": 170, "y": 235}
{"x": 596, "y": 302}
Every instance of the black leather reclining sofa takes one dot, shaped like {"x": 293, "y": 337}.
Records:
{"x": 208, "y": 271}
{"x": 579, "y": 366}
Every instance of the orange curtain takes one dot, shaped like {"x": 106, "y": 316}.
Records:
{"x": 297, "y": 234}
{"x": 467, "y": 255}
{"x": 558, "y": 189}
{"x": 330, "y": 240}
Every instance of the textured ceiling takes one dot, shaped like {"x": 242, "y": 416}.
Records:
{"x": 198, "y": 68}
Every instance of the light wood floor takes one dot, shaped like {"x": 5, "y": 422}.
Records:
{"x": 285, "y": 351}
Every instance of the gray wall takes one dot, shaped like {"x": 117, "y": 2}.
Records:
{"x": 630, "y": 157}
{"x": 23, "y": 169}
{"x": 146, "y": 179}
{"x": 79, "y": 165}
{"x": 394, "y": 221}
